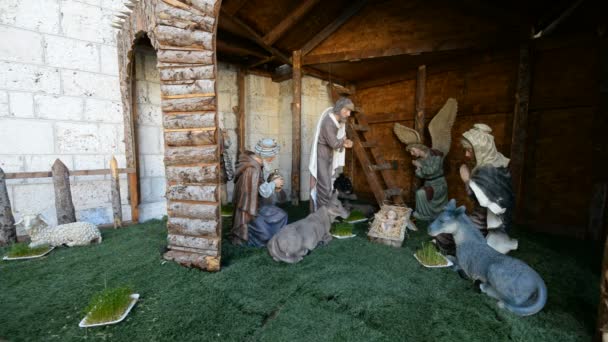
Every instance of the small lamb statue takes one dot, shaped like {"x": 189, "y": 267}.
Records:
{"x": 516, "y": 285}
{"x": 70, "y": 234}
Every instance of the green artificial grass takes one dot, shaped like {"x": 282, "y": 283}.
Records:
{"x": 349, "y": 290}
{"x": 108, "y": 305}
{"x": 355, "y": 215}
{"x": 22, "y": 249}
{"x": 227, "y": 210}
{"x": 342, "y": 229}
{"x": 429, "y": 256}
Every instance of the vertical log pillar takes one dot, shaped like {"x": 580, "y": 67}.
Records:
{"x": 520, "y": 126}
{"x": 115, "y": 191}
{"x": 8, "y": 232}
{"x": 296, "y": 110}
{"x": 419, "y": 119}
{"x": 63, "y": 195}
{"x": 240, "y": 81}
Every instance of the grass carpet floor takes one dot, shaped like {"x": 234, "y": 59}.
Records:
{"x": 350, "y": 290}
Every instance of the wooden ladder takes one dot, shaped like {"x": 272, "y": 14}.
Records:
{"x": 370, "y": 156}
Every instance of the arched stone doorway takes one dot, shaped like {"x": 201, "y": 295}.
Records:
{"x": 183, "y": 35}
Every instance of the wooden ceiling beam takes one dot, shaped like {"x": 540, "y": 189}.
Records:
{"x": 256, "y": 37}
{"x": 231, "y": 7}
{"x": 290, "y": 20}
{"x": 261, "y": 62}
{"x": 226, "y": 47}
{"x": 333, "y": 26}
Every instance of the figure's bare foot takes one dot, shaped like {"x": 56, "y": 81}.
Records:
{"x": 465, "y": 173}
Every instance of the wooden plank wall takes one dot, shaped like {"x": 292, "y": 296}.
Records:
{"x": 558, "y": 174}
{"x": 484, "y": 88}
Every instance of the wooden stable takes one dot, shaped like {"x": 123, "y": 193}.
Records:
{"x": 536, "y": 72}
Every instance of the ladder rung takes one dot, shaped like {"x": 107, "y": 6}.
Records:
{"x": 369, "y": 144}
{"x": 361, "y": 128}
{"x": 384, "y": 166}
{"x": 393, "y": 192}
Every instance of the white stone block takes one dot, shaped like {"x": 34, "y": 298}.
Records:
{"x": 141, "y": 92}
{"x": 26, "y": 137}
{"x": 85, "y": 22}
{"x": 34, "y": 198}
{"x": 58, "y": 107}
{"x": 150, "y": 211}
{"x": 103, "y": 111}
{"x": 150, "y": 139}
{"x": 78, "y": 138}
{"x": 80, "y": 83}
{"x": 71, "y": 53}
{"x": 90, "y": 162}
{"x": 21, "y": 104}
{"x": 29, "y": 78}
{"x": 152, "y": 189}
{"x": 108, "y": 138}
{"x": 20, "y": 45}
{"x": 150, "y": 69}
{"x": 126, "y": 211}
{"x": 39, "y": 15}
{"x": 109, "y": 60}
{"x": 116, "y": 5}
{"x": 154, "y": 93}
{"x": 98, "y": 215}
{"x": 12, "y": 163}
{"x": 149, "y": 114}
{"x": 4, "y": 103}
{"x": 90, "y": 194}
{"x": 154, "y": 165}
{"x": 229, "y": 120}
{"x": 44, "y": 163}
{"x": 91, "y": 2}
{"x": 224, "y": 102}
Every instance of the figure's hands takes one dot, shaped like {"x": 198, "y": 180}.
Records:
{"x": 348, "y": 143}
{"x": 278, "y": 183}
{"x": 416, "y": 163}
{"x": 465, "y": 173}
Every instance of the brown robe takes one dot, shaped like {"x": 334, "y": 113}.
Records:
{"x": 325, "y": 151}
{"x": 247, "y": 179}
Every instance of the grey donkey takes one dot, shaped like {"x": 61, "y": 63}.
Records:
{"x": 516, "y": 285}
{"x": 296, "y": 239}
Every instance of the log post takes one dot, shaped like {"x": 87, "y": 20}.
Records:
{"x": 115, "y": 191}
{"x": 63, "y": 195}
{"x": 8, "y": 232}
{"x": 520, "y": 125}
{"x": 240, "y": 80}
{"x": 296, "y": 110}
{"x": 419, "y": 119}
{"x": 134, "y": 197}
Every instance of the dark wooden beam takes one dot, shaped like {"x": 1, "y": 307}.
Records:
{"x": 288, "y": 22}
{"x": 520, "y": 125}
{"x": 551, "y": 27}
{"x": 232, "y": 6}
{"x": 232, "y": 49}
{"x": 377, "y": 82}
{"x": 240, "y": 82}
{"x": 296, "y": 110}
{"x": 333, "y": 26}
{"x": 284, "y": 73}
{"x": 262, "y": 62}
{"x": 255, "y": 36}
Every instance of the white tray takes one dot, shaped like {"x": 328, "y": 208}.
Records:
{"x": 449, "y": 262}
{"x": 6, "y": 257}
{"x": 134, "y": 298}
{"x": 344, "y": 236}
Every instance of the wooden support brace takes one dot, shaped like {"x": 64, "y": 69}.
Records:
{"x": 296, "y": 109}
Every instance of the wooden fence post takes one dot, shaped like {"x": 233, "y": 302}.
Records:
{"x": 63, "y": 195}
{"x": 115, "y": 191}
{"x": 8, "y": 232}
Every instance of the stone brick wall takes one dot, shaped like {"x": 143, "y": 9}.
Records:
{"x": 59, "y": 98}
{"x": 149, "y": 137}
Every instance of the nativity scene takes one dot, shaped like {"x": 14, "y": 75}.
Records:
{"x": 193, "y": 170}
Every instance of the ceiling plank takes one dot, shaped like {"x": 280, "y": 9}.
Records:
{"x": 232, "y": 49}
{"x": 290, "y": 20}
{"x": 332, "y": 27}
{"x": 231, "y": 7}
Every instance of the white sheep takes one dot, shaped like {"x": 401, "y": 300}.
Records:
{"x": 70, "y": 234}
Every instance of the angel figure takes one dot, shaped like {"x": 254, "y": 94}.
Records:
{"x": 433, "y": 195}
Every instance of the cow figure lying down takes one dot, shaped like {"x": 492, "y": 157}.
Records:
{"x": 516, "y": 286}
{"x": 69, "y": 234}
{"x": 296, "y": 239}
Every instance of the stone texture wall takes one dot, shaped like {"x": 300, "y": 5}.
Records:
{"x": 60, "y": 98}
{"x": 227, "y": 99}
{"x": 149, "y": 135}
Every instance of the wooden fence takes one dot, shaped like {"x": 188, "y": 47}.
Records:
{"x": 63, "y": 196}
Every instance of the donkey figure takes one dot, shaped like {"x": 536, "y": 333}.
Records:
{"x": 515, "y": 285}
{"x": 296, "y": 239}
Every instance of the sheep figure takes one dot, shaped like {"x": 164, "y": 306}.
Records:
{"x": 70, "y": 234}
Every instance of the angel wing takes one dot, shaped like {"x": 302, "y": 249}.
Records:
{"x": 406, "y": 134}
{"x": 440, "y": 127}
